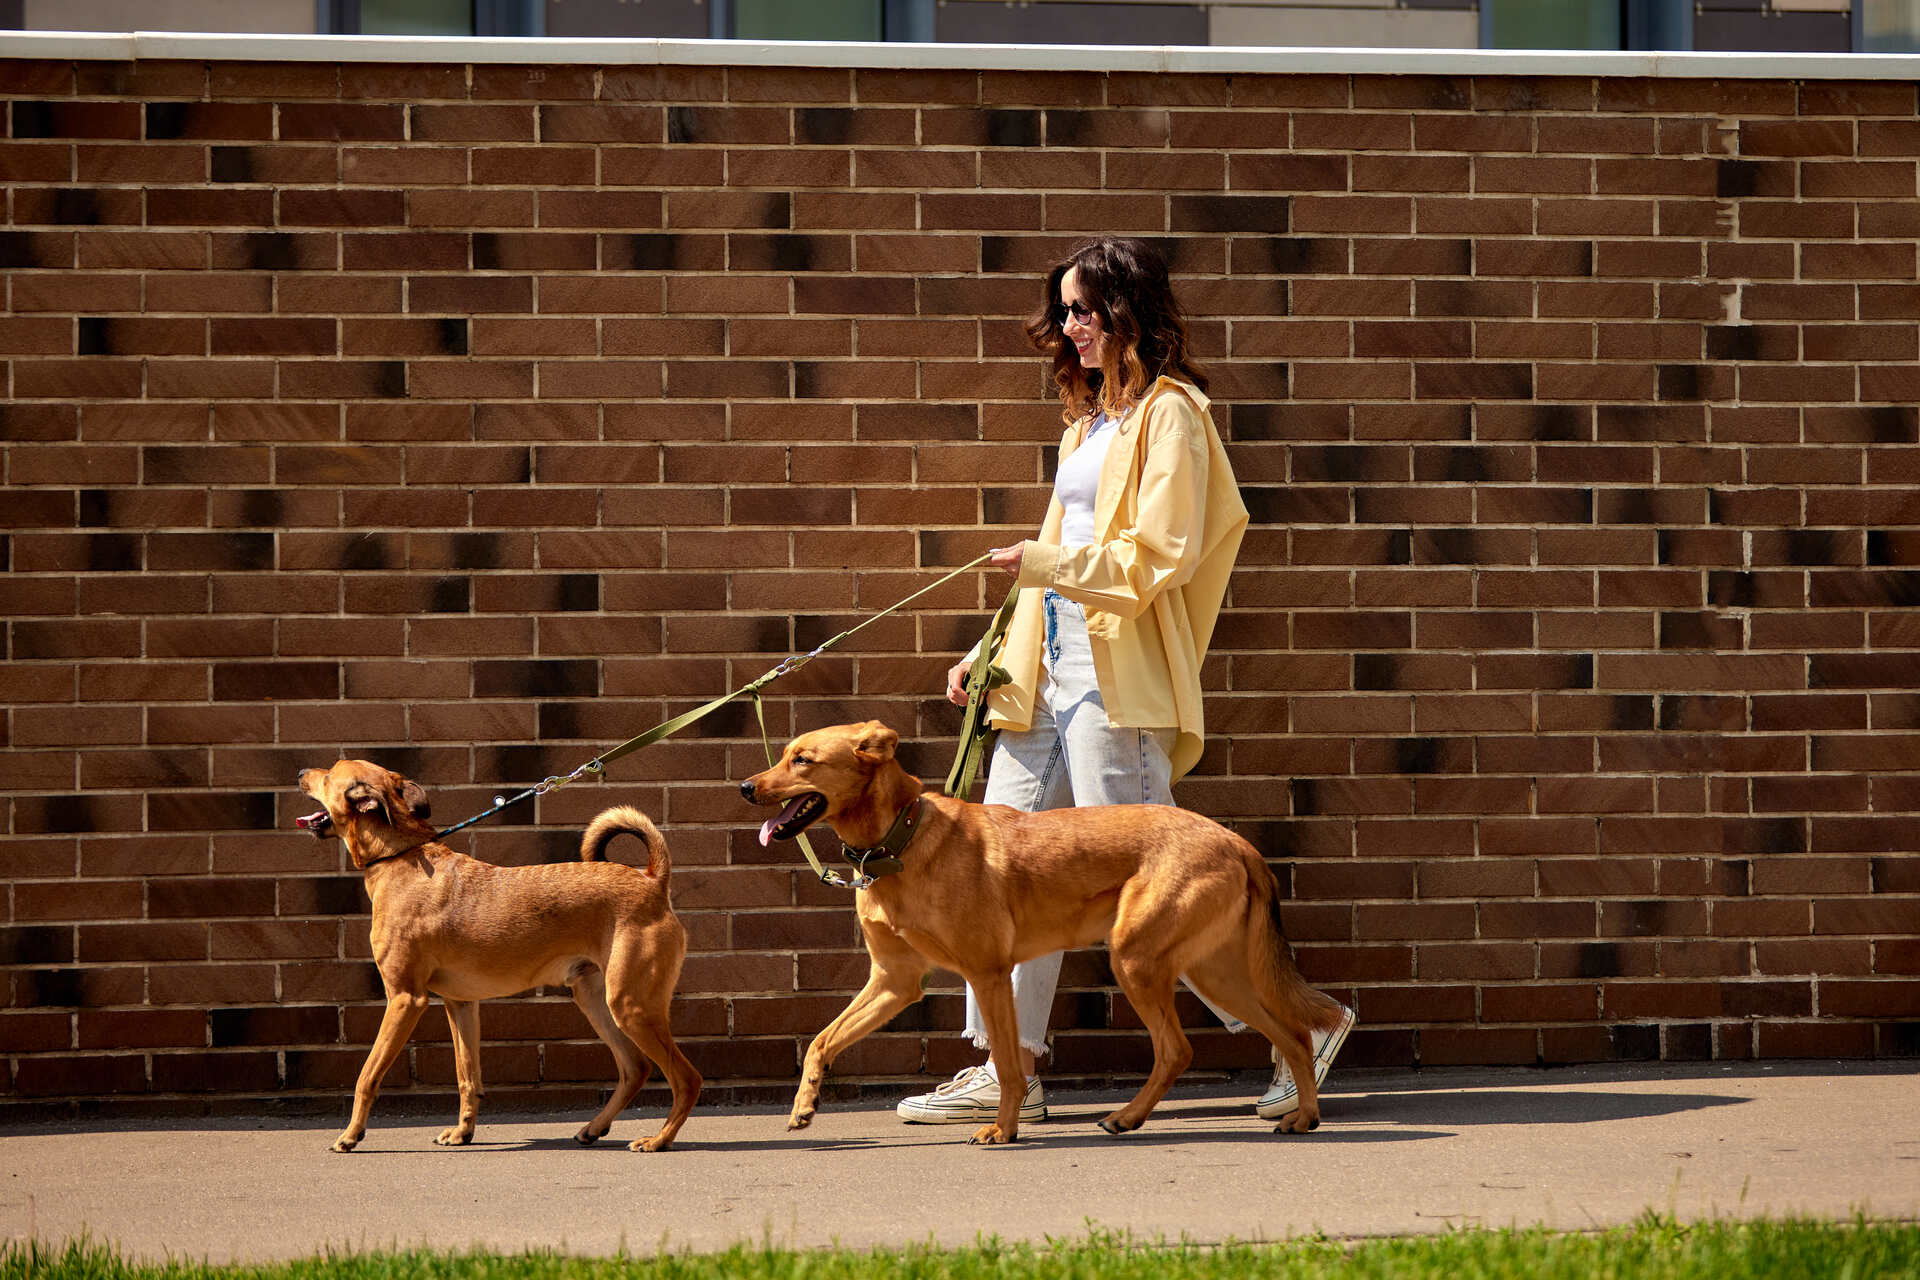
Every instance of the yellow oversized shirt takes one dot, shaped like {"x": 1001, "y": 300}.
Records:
{"x": 1167, "y": 520}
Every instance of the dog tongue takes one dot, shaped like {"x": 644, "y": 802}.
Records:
{"x": 786, "y": 815}
{"x": 311, "y": 821}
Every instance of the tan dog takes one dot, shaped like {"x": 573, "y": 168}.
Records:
{"x": 469, "y": 931}
{"x": 982, "y": 887}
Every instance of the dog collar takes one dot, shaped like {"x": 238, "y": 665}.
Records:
{"x": 398, "y": 853}
{"x": 884, "y": 859}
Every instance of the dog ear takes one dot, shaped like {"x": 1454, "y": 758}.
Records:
{"x": 876, "y": 742}
{"x": 365, "y": 799}
{"x": 414, "y": 796}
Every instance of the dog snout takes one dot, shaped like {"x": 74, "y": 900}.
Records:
{"x": 747, "y": 790}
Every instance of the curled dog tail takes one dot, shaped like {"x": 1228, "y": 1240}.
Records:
{"x": 1271, "y": 957}
{"x": 625, "y": 820}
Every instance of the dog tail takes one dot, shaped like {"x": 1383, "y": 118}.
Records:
{"x": 625, "y": 820}
{"x": 1271, "y": 956}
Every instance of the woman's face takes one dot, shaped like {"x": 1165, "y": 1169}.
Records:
{"x": 1081, "y": 322}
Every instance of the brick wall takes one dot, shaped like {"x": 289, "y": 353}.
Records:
{"x": 474, "y": 417}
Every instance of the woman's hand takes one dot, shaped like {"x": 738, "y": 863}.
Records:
{"x": 1007, "y": 558}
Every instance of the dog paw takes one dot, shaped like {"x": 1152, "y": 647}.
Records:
{"x": 1114, "y": 1125}
{"x": 799, "y": 1120}
{"x": 992, "y": 1136}
{"x": 344, "y": 1144}
{"x": 587, "y": 1137}
{"x": 1295, "y": 1122}
{"x": 655, "y": 1143}
{"x": 454, "y": 1137}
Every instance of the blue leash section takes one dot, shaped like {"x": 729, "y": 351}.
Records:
{"x": 599, "y": 763}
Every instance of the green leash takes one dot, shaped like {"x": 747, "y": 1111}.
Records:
{"x": 667, "y": 729}
{"x": 976, "y": 738}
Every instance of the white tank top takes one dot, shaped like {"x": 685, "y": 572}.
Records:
{"x": 1077, "y": 483}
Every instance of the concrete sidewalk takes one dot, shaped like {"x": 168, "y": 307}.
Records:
{"x": 1572, "y": 1148}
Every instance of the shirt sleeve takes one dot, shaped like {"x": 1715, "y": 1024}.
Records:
{"x": 1160, "y": 547}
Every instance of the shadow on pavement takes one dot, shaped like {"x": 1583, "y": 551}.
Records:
{"x": 1518, "y": 1106}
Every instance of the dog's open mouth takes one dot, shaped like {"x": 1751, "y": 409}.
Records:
{"x": 320, "y": 824}
{"x": 800, "y": 813}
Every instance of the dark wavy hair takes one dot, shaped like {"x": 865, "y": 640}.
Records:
{"x": 1124, "y": 281}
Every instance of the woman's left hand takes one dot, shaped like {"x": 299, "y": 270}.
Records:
{"x": 1007, "y": 558}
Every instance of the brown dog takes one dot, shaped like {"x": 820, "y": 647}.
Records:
{"x": 469, "y": 931}
{"x": 982, "y": 887}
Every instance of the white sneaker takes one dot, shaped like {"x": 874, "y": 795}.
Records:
{"x": 972, "y": 1097}
{"x": 1281, "y": 1094}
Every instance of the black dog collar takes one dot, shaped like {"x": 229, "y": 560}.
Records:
{"x": 884, "y": 859}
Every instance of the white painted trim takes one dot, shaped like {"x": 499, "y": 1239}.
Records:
{"x": 192, "y": 46}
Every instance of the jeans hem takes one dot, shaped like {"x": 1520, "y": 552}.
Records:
{"x": 1038, "y": 1049}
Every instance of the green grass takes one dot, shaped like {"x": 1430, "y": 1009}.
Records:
{"x": 1651, "y": 1249}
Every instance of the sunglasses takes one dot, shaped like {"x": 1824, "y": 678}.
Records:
{"x": 1080, "y": 312}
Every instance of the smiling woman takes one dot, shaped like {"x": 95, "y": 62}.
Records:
{"x": 1120, "y": 594}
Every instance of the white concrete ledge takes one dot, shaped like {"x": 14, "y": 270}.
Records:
{"x": 193, "y": 46}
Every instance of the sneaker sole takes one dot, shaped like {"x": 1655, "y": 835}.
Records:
{"x": 1027, "y": 1115}
{"x": 918, "y": 1116}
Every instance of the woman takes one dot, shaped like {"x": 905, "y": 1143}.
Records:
{"x": 1104, "y": 704}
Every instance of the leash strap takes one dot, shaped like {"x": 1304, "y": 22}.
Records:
{"x": 599, "y": 763}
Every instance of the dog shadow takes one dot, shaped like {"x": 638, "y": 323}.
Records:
{"x": 1522, "y": 1106}
{"x": 1412, "y": 1114}
{"x": 1360, "y": 1117}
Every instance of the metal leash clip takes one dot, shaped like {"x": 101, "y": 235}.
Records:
{"x": 555, "y": 782}
{"x": 791, "y": 664}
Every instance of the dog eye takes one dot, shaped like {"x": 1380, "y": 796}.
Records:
{"x": 803, "y": 759}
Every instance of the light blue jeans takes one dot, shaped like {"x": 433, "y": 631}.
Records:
{"x": 1071, "y": 755}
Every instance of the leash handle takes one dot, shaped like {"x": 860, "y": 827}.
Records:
{"x": 983, "y": 676}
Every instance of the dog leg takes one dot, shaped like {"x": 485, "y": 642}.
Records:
{"x": 1140, "y": 949}
{"x": 403, "y": 1015}
{"x": 893, "y": 983}
{"x": 463, "y": 1016}
{"x": 995, "y": 994}
{"x": 651, "y": 1032}
{"x": 1227, "y": 979}
{"x": 590, "y": 994}
{"x": 1152, "y": 993}
{"x": 1297, "y": 1050}
{"x": 1224, "y": 979}
{"x": 641, "y": 975}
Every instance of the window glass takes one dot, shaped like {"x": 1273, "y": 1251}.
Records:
{"x": 416, "y": 17}
{"x": 815, "y": 20}
{"x": 997, "y": 22}
{"x": 1772, "y": 26}
{"x": 1889, "y": 26}
{"x": 1555, "y": 24}
{"x": 654, "y": 19}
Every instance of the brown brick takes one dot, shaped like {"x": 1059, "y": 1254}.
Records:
{"x": 1576, "y": 572}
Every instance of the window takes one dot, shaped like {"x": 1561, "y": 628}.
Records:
{"x": 1553, "y": 24}
{"x": 1773, "y": 26}
{"x": 416, "y": 17}
{"x": 431, "y": 17}
{"x": 815, "y": 20}
{"x": 1889, "y": 26}
{"x": 646, "y": 19}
